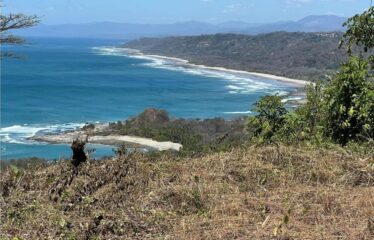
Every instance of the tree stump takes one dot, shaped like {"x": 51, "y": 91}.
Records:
{"x": 79, "y": 156}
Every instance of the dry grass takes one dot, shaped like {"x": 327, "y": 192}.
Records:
{"x": 252, "y": 193}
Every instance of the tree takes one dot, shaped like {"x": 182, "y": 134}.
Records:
{"x": 350, "y": 103}
{"x": 312, "y": 111}
{"x": 270, "y": 118}
{"x": 79, "y": 156}
{"x": 11, "y": 22}
{"x": 360, "y": 32}
{"x": 306, "y": 122}
{"x": 350, "y": 95}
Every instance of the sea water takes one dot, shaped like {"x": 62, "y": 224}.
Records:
{"x": 56, "y": 85}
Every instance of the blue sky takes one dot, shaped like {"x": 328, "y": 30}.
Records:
{"x": 170, "y": 11}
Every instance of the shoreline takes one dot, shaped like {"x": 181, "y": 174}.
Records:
{"x": 108, "y": 140}
{"x": 183, "y": 62}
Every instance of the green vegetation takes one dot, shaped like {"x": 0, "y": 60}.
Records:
{"x": 340, "y": 110}
{"x": 360, "y": 30}
{"x": 309, "y": 56}
{"x": 196, "y": 136}
{"x": 270, "y": 118}
{"x": 350, "y": 103}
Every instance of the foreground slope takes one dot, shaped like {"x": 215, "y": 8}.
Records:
{"x": 308, "y": 56}
{"x": 247, "y": 193}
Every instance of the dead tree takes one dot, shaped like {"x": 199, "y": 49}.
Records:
{"x": 12, "y": 22}
{"x": 79, "y": 156}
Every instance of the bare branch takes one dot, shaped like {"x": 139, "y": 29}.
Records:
{"x": 11, "y": 22}
{"x": 17, "y": 21}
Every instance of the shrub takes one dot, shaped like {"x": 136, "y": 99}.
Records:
{"x": 306, "y": 122}
{"x": 270, "y": 118}
{"x": 350, "y": 103}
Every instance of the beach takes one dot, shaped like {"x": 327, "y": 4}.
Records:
{"x": 240, "y": 73}
{"x": 98, "y": 138}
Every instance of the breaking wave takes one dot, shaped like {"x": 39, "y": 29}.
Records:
{"x": 239, "y": 83}
{"x": 20, "y": 133}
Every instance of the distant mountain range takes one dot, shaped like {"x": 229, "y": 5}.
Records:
{"x": 316, "y": 23}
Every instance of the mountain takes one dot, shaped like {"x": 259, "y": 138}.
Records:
{"x": 318, "y": 23}
{"x": 315, "y": 23}
{"x": 121, "y": 30}
{"x": 308, "y": 56}
{"x": 237, "y": 25}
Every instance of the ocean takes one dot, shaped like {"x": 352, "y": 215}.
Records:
{"x": 60, "y": 84}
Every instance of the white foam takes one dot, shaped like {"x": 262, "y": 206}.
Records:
{"x": 292, "y": 99}
{"x": 20, "y": 133}
{"x": 241, "y": 84}
{"x": 244, "y": 112}
{"x": 235, "y": 87}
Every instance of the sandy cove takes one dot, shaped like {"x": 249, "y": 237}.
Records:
{"x": 68, "y": 137}
{"x": 114, "y": 140}
{"x": 241, "y": 73}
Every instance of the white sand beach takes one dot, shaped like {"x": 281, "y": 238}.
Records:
{"x": 68, "y": 138}
{"x": 241, "y": 73}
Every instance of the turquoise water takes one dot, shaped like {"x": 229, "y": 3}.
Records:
{"x": 60, "y": 84}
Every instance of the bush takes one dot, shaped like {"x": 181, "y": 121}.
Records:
{"x": 270, "y": 118}
{"x": 306, "y": 122}
{"x": 350, "y": 103}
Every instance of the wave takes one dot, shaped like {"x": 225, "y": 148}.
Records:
{"x": 244, "y": 112}
{"x": 292, "y": 99}
{"x": 235, "y": 87}
{"x": 19, "y": 134}
{"x": 239, "y": 83}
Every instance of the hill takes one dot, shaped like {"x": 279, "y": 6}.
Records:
{"x": 308, "y": 56}
{"x": 249, "y": 192}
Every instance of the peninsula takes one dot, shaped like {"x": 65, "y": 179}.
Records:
{"x": 303, "y": 56}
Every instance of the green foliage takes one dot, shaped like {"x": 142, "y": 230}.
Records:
{"x": 343, "y": 110}
{"x": 313, "y": 110}
{"x": 360, "y": 30}
{"x": 16, "y": 171}
{"x": 298, "y": 55}
{"x": 270, "y": 118}
{"x": 350, "y": 103}
{"x": 306, "y": 122}
{"x": 180, "y": 134}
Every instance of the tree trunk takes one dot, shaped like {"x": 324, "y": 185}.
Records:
{"x": 79, "y": 156}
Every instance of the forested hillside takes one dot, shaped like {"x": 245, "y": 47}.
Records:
{"x": 308, "y": 56}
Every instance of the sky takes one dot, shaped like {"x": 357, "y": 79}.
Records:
{"x": 171, "y": 11}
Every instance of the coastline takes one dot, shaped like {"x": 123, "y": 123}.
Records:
{"x": 98, "y": 137}
{"x": 183, "y": 62}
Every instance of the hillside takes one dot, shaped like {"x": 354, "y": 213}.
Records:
{"x": 246, "y": 193}
{"x": 308, "y": 56}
